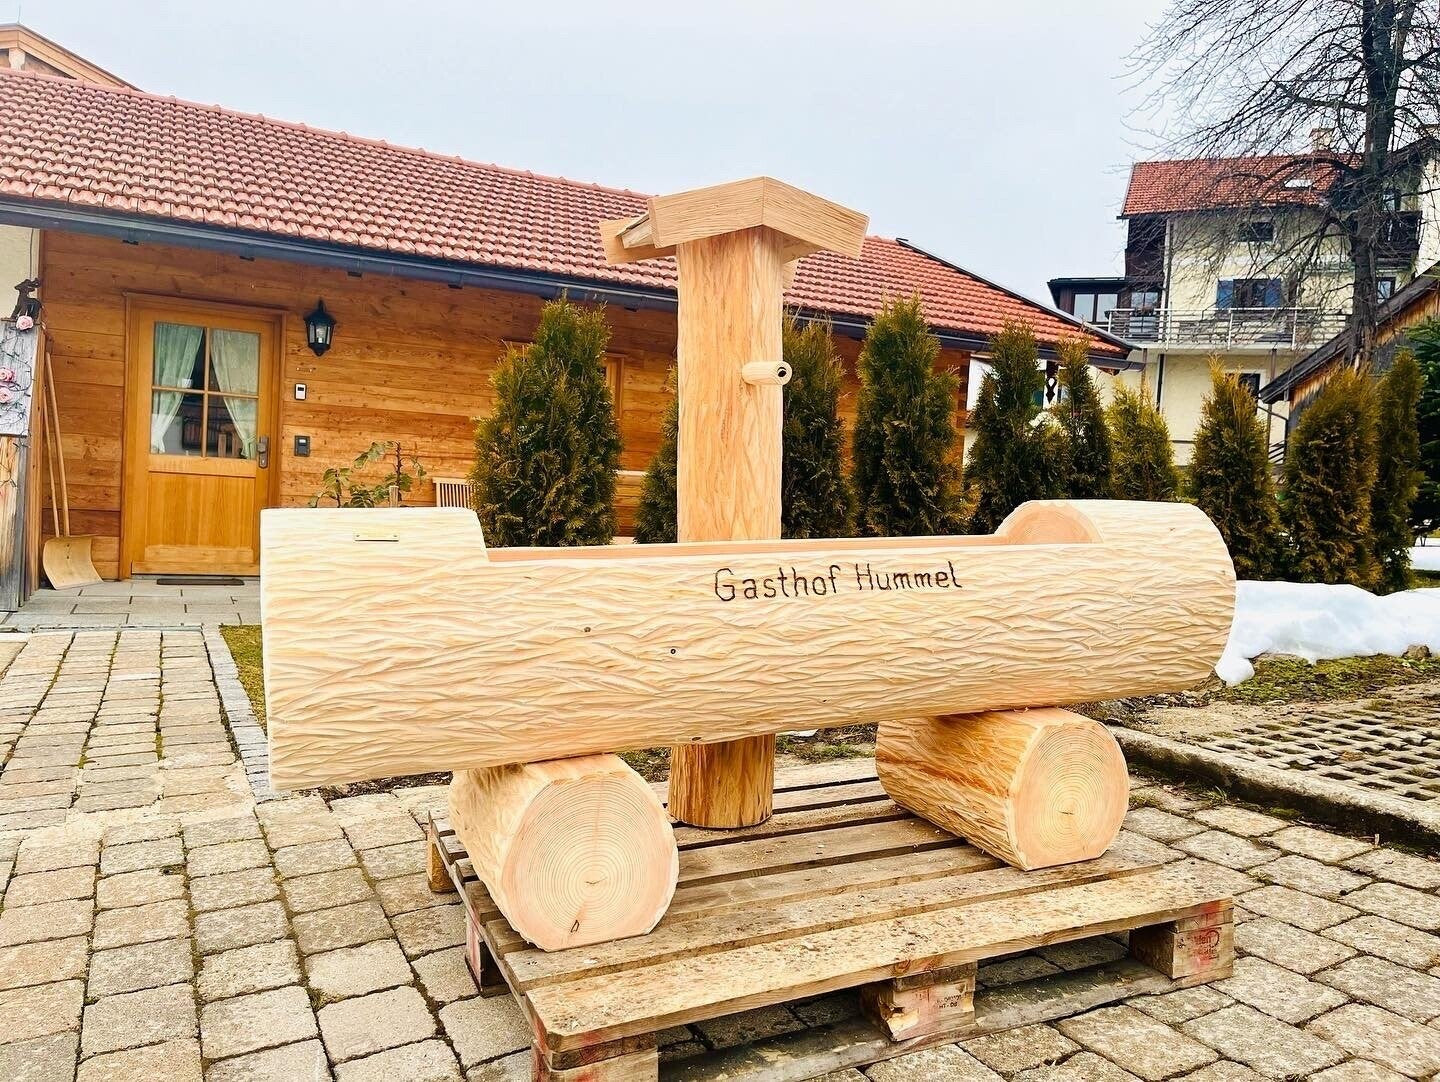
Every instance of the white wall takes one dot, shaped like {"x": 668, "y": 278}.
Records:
{"x": 1204, "y": 250}
{"x": 19, "y": 249}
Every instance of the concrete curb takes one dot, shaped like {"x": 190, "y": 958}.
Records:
{"x": 1320, "y": 799}
{"x": 250, "y": 740}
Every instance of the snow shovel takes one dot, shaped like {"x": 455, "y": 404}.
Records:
{"x": 66, "y": 559}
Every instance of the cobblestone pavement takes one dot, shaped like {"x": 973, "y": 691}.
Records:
{"x": 138, "y": 602}
{"x": 194, "y": 934}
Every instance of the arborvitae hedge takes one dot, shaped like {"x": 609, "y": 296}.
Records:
{"x": 1012, "y": 459}
{"x": 1425, "y": 511}
{"x": 905, "y": 475}
{"x": 816, "y": 497}
{"x": 1230, "y": 477}
{"x": 1082, "y": 418}
{"x": 1397, "y": 479}
{"x": 1329, "y": 475}
{"x": 655, "y": 513}
{"x": 545, "y": 458}
{"x": 1143, "y": 466}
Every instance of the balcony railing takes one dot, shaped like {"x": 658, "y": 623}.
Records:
{"x": 1227, "y": 328}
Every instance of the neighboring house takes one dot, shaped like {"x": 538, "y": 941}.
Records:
{"x": 1210, "y": 271}
{"x": 181, "y": 247}
{"x": 1412, "y": 304}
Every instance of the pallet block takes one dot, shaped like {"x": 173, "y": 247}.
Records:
{"x": 840, "y": 890}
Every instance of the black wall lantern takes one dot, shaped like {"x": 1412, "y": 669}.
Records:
{"x": 319, "y": 329}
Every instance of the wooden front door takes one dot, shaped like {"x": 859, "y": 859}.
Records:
{"x": 200, "y": 402}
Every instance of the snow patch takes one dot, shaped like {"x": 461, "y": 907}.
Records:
{"x": 1425, "y": 557}
{"x": 1315, "y": 622}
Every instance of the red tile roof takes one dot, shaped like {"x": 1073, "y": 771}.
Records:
{"x": 1164, "y": 187}
{"x": 137, "y": 154}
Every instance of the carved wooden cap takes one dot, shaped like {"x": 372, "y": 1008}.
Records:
{"x": 807, "y": 222}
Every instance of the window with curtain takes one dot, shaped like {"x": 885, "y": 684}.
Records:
{"x": 205, "y": 391}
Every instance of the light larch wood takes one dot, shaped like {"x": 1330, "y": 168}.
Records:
{"x": 1034, "y": 787}
{"x": 735, "y": 246}
{"x": 388, "y": 657}
{"x": 728, "y": 472}
{"x": 573, "y": 852}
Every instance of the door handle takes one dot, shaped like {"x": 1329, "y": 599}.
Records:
{"x": 263, "y": 446}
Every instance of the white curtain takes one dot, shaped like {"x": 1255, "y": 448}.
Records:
{"x": 175, "y": 346}
{"x": 235, "y": 356}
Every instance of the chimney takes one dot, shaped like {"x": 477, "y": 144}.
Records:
{"x": 1322, "y": 140}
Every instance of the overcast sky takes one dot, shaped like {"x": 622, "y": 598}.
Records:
{"x": 994, "y": 134}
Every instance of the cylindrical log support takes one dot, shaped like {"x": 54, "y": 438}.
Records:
{"x": 572, "y": 851}
{"x": 728, "y": 472}
{"x": 1036, "y": 788}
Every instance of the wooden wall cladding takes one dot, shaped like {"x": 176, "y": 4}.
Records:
{"x": 468, "y": 658}
{"x": 411, "y": 361}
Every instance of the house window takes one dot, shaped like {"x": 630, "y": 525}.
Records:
{"x": 1257, "y": 232}
{"x": 1251, "y": 382}
{"x": 1094, "y": 307}
{"x": 1390, "y": 199}
{"x": 205, "y": 391}
{"x": 1249, "y": 293}
{"x": 1384, "y": 288}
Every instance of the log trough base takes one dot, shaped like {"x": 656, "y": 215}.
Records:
{"x": 842, "y": 894}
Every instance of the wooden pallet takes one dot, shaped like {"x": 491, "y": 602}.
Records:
{"x": 840, "y": 890}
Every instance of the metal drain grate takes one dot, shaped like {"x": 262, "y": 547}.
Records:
{"x": 1356, "y": 747}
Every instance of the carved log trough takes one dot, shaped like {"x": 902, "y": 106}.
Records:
{"x": 395, "y": 643}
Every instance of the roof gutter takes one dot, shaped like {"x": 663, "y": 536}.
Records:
{"x": 252, "y": 245}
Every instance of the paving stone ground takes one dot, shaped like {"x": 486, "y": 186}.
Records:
{"x": 158, "y": 924}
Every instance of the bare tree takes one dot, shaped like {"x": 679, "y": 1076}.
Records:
{"x": 1324, "y": 104}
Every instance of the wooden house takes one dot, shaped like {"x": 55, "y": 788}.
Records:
{"x": 181, "y": 247}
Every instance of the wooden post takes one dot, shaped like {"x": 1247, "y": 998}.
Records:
{"x": 732, "y": 244}
{"x": 728, "y": 474}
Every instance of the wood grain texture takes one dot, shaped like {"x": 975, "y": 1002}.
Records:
{"x": 1037, "y": 788}
{"x": 399, "y": 657}
{"x": 573, "y": 852}
{"x": 728, "y": 472}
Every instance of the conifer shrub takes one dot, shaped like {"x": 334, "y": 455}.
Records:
{"x": 1013, "y": 459}
{"x": 1082, "y": 420}
{"x": 904, "y": 468}
{"x": 1425, "y": 511}
{"x": 1329, "y": 475}
{"x": 545, "y": 457}
{"x": 1397, "y": 475}
{"x": 816, "y": 497}
{"x": 1230, "y": 477}
{"x": 655, "y": 513}
{"x": 1143, "y": 462}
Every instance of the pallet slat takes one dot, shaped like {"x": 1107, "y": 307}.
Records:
{"x": 600, "y": 1009}
{"x": 841, "y": 889}
{"x": 838, "y": 908}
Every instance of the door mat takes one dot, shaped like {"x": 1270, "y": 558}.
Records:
{"x": 200, "y": 580}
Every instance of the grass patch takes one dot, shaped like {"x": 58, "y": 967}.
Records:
{"x": 1423, "y": 580}
{"x": 244, "y": 643}
{"x": 1291, "y": 679}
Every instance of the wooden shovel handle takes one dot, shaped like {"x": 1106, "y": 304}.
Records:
{"x": 49, "y": 434}
{"x": 55, "y": 415}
